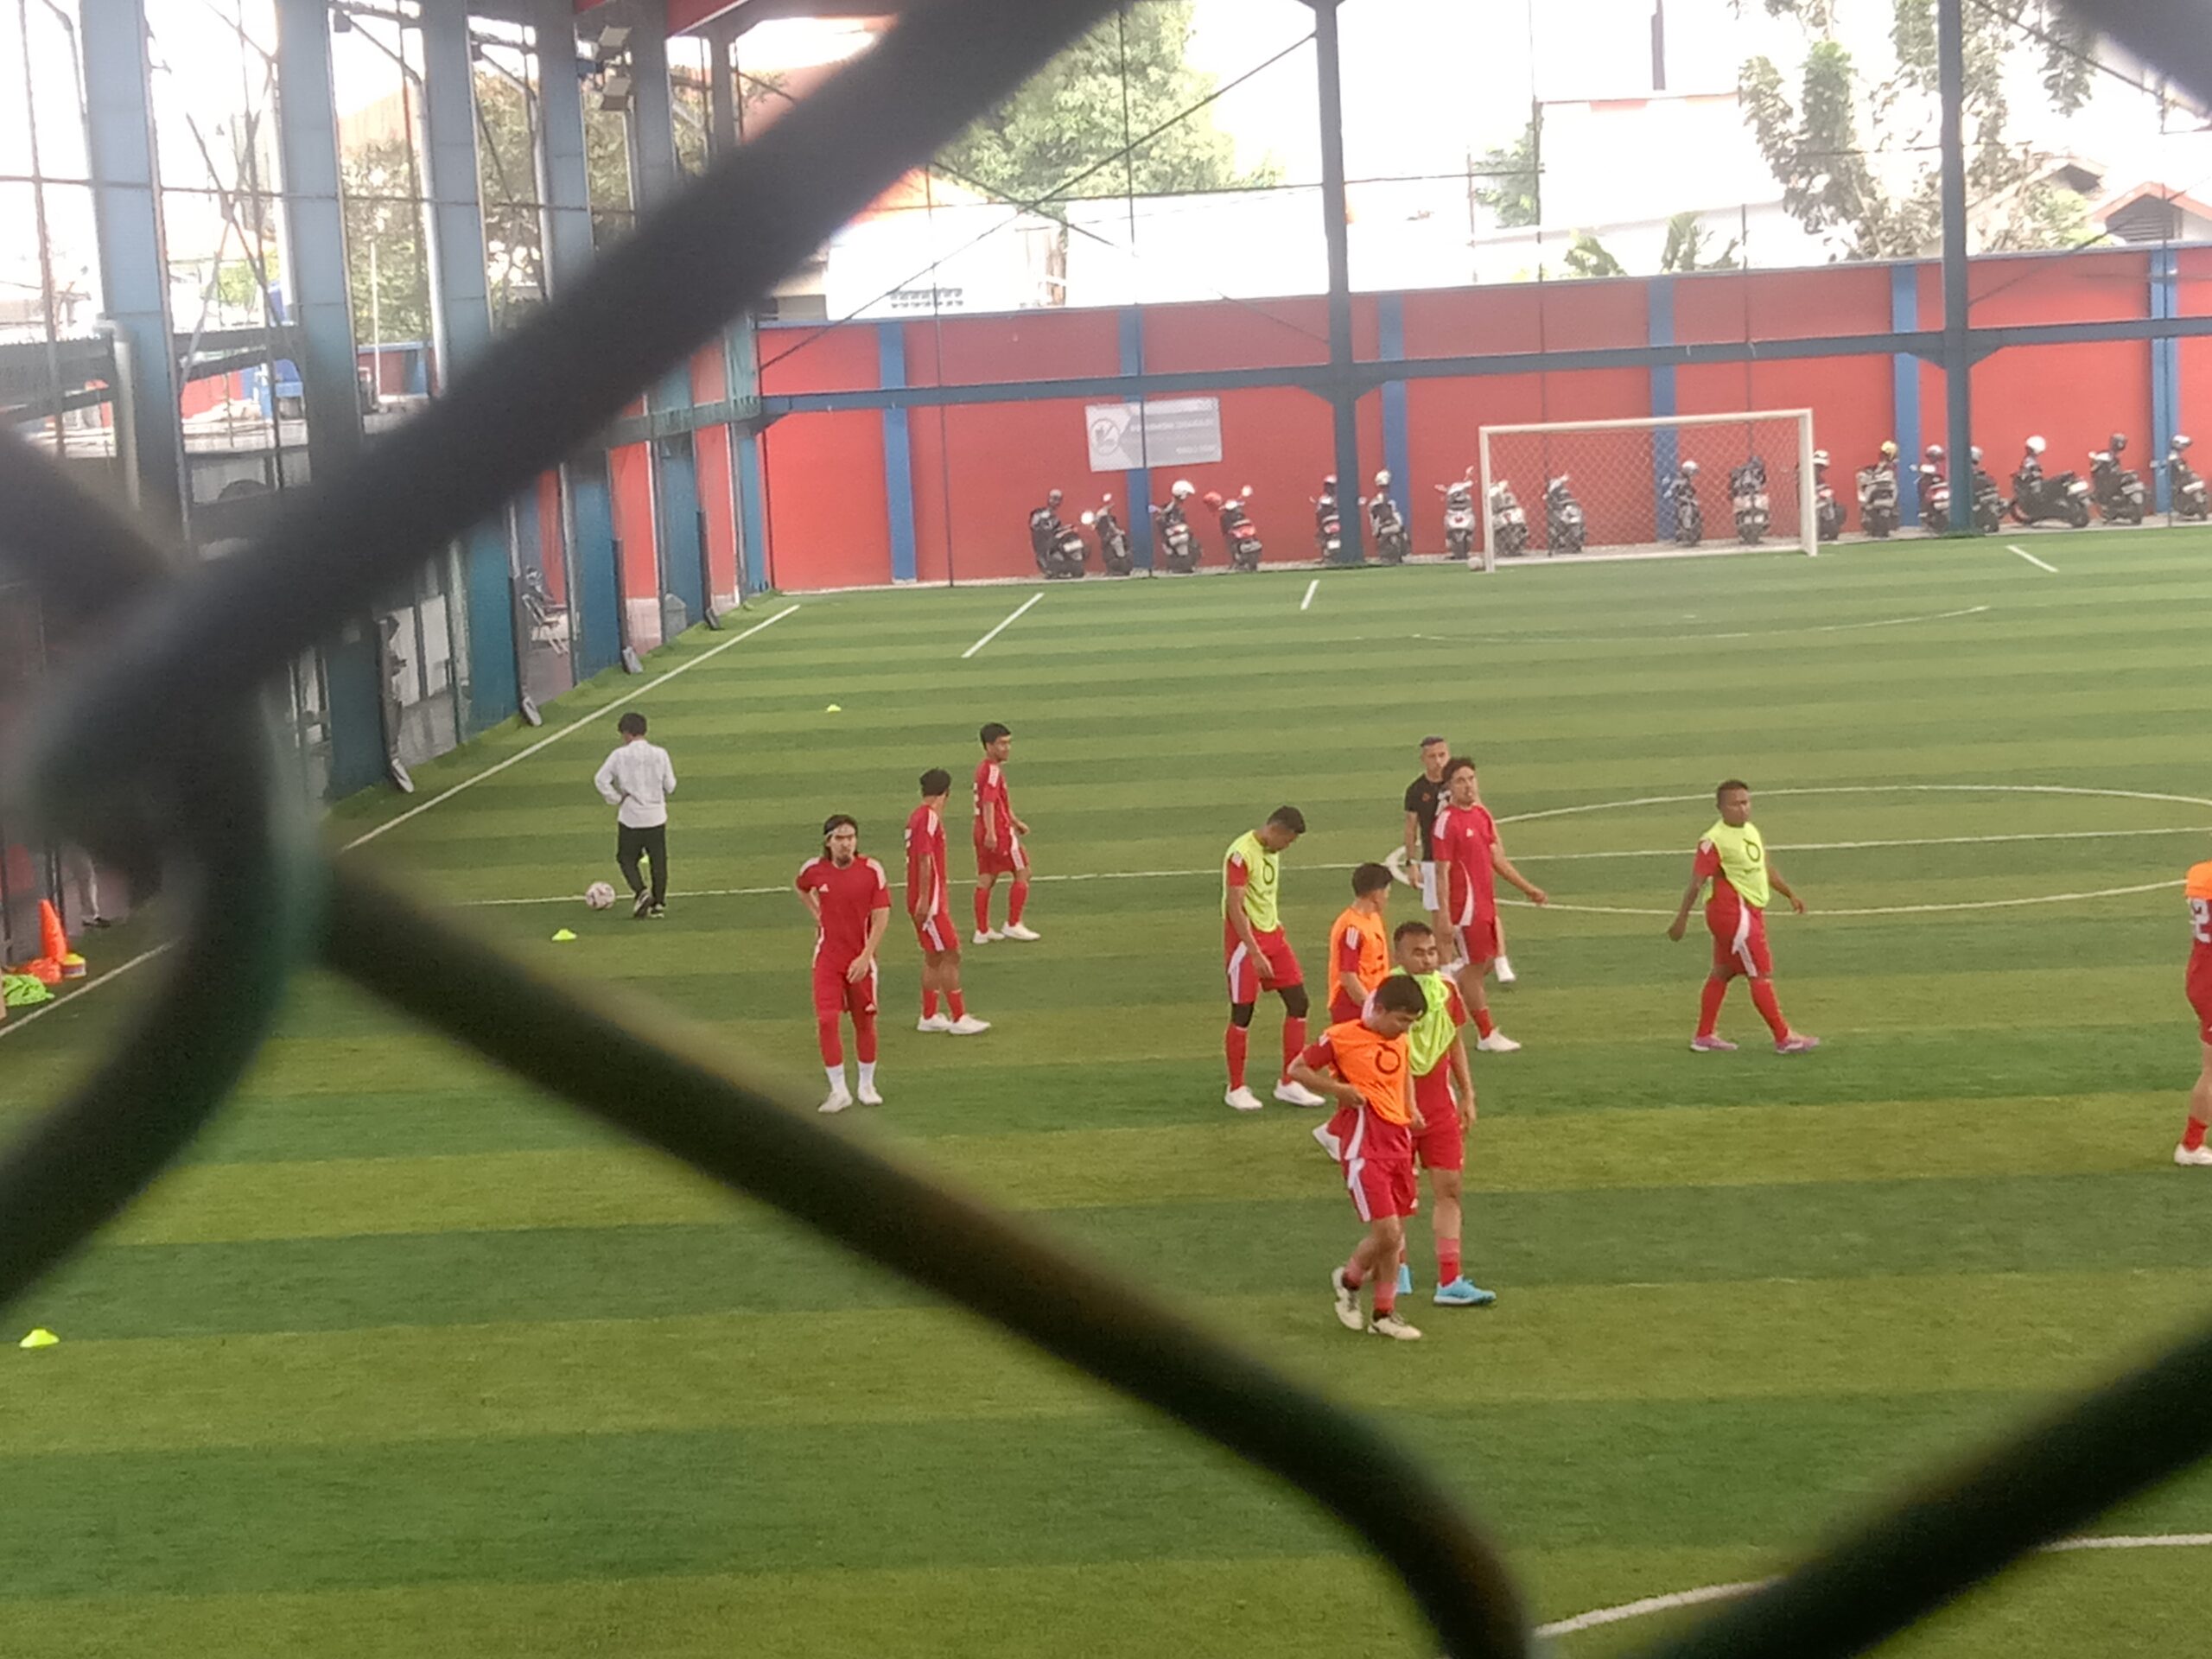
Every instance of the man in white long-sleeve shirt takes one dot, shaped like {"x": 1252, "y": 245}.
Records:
{"x": 636, "y": 781}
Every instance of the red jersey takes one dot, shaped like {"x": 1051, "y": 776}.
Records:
{"x": 926, "y": 837}
{"x": 1465, "y": 838}
{"x": 993, "y": 810}
{"x": 2198, "y": 891}
{"x": 850, "y": 897}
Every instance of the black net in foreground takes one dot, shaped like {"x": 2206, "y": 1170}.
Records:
{"x": 116, "y": 760}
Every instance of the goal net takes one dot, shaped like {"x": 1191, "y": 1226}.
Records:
{"x": 1562, "y": 487}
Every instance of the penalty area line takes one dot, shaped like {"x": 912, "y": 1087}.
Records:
{"x": 2032, "y": 558}
{"x": 1003, "y": 627}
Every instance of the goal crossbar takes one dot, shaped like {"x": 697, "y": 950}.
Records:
{"x": 1806, "y": 484}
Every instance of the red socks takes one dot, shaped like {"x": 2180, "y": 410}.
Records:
{"x": 833, "y": 1048}
{"x": 1236, "y": 1040}
{"x": 863, "y": 1039}
{"x": 1709, "y": 1006}
{"x": 1386, "y": 1291}
{"x": 958, "y": 1003}
{"x": 1770, "y": 1008}
{"x": 982, "y": 910}
{"x": 2193, "y": 1136}
{"x": 1016, "y": 901}
{"x": 1294, "y": 1041}
{"x": 1353, "y": 1277}
{"x": 1485, "y": 1025}
{"x": 1447, "y": 1261}
{"x": 929, "y": 1004}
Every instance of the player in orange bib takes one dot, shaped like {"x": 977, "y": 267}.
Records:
{"x": 1359, "y": 945}
{"x": 1363, "y": 1064}
{"x": 2198, "y": 891}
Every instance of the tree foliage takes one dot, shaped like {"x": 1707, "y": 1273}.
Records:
{"x": 1586, "y": 255}
{"x": 1882, "y": 200}
{"x": 1072, "y": 115}
{"x": 1515, "y": 192}
{"x": 1687, "y": 241}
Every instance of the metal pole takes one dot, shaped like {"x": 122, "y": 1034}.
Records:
{"x": 1344, "y": 398}
{"x": 1958, "y": 358}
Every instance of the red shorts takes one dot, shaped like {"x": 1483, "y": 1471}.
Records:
{"x": 1441, "y": 1145}
{"x": 1475, "y": 942}
{"x": 1013, "y": 859}
{"x": 834, "y": 995}
{"x": 1276, "y": 968}
{"x": 1738, "y": 940}
{"x": 1378, "y": 1164}
{"x": 938, "y": 933}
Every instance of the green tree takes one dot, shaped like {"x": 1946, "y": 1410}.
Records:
{"x": 1587, "y": 256}
{"x": 1069, "y": 117}
{"x": 1514, "y": 194}
{"x": 1685, "y": 244}
{"x": 1836, "y": 185}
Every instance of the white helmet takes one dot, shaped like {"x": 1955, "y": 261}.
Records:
{"x": 1820, "y": 457}
{"x": 2035, "y": 445}
{"x": 1690, "y": 469}
{"x": 1182, "y": 489}
{"x": 1974, "y": 454}
{"x": 1935, "y": 452}
{"x": 2181, "y": 440}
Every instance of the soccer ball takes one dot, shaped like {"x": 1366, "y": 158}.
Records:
{"x": 600, "y": 896}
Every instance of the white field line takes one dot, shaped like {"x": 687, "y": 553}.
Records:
{"x": 1667, "y": 638}
{"x": 1311, "y": 587}
{"x": 1001, "y": 627}
{"x": 2032, "y": 558}
{"x": 17, "y": 1022}
{"x": 1646, "y": 1605}
{"x": 551, "y": 738}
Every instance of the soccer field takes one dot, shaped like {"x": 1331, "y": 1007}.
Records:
{"x": 408, "y": 1361}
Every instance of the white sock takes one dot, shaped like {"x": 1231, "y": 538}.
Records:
{"x": 837, "y": 1079}
{"x": 868, "y": 1074}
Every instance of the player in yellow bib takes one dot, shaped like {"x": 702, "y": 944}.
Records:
{"x": 1257, "y": 956}
{"x": 1732, "y": 856}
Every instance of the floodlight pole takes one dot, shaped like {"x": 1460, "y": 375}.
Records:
{"x": 1344, "y": 398}
{"x": 1958, "y": 360}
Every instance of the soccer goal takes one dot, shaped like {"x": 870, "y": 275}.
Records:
{"x": 1561, "y": 487}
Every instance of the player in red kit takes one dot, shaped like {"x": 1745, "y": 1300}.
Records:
{"x": 929, "y": 902}
{"x": 850, "y": 899}
{"x": 2198, "y": 891}
{"x": 999, "y": 850}
{"x": 1732, "y": 856}
{"x": 1470, "y": 859}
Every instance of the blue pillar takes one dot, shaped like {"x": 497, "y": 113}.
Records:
{"x": 1137, "y": 483}
{"x": 897, "y": 452}
{"x": 676, "y": 463}
{"x": 2165, "y": 373}
{"x": 1397, "y": 442}
{"x": 461, "y": 313}
{"x": 596, "y": 593}
{"x": 1905, "y": 396}
{"x": 314, "y": 282}
{"x": 741, "y": 345}
{"x": 1666, "y": 442}
{"x": 134, "y": 269}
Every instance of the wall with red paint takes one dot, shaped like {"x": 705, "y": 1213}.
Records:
{"x": 977, "y": 470}
{"x": 717, "y": 492}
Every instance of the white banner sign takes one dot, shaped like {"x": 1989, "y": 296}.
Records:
{"x": 1172, "y": 432}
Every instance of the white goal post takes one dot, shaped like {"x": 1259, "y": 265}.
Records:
{"x": 1620, "y": 477}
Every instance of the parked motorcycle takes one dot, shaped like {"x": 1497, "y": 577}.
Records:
{"x": 1237, "y": 530}
{"x": 1989, "y": 502}
{"x": 1827, "y": 510}
{"x": 1179, "y": 545}
{"x": 1328, "y": 524}
{"x": 1747, "y": 495}
{"x": 1509, "y": 520}
{"x": 1563, "y": 523}
{"x": 1877, "y": 493}
{"x": 1386, "y": 525}
{"x": 2184, "y": 489}
{"x": 1460, "y": 516}
{"x": 2037, "y": 495}
{"x": 1934, "y": 492}
{"x": 1113, "y": 541}
{"x": 1689, "y": 517}
{"x": 1059, "y": 547}
{"x": 2117, "y": 490}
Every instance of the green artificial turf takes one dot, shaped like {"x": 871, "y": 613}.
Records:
{"x": 406, "y": 1360}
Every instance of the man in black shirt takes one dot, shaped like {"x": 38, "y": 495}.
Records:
{"x": 1424, "y": 797}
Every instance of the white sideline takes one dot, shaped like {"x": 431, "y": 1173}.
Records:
{"x": 1311, "y": 587}
{"x": 1002, "y": 626}
{"x": 2032, "y": 558}
{"x": 17, "y": 1022}
{"x": 1646, "y": 1605}
{"x": 551, "y": 738}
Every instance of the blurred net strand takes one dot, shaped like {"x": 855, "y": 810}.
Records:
{"x": 132, "y": 767}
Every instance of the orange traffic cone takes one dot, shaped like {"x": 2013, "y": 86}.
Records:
{"x": 53, "y": 943}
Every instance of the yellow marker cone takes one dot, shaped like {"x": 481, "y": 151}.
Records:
{"x": 833, "y": 709}
{"x": 564, "y": 937}
{"x": 41, "y": 1338}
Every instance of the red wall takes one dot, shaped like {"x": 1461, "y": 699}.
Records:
{"x": 978, "y": 469}
{"x": 710, "y": 455}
